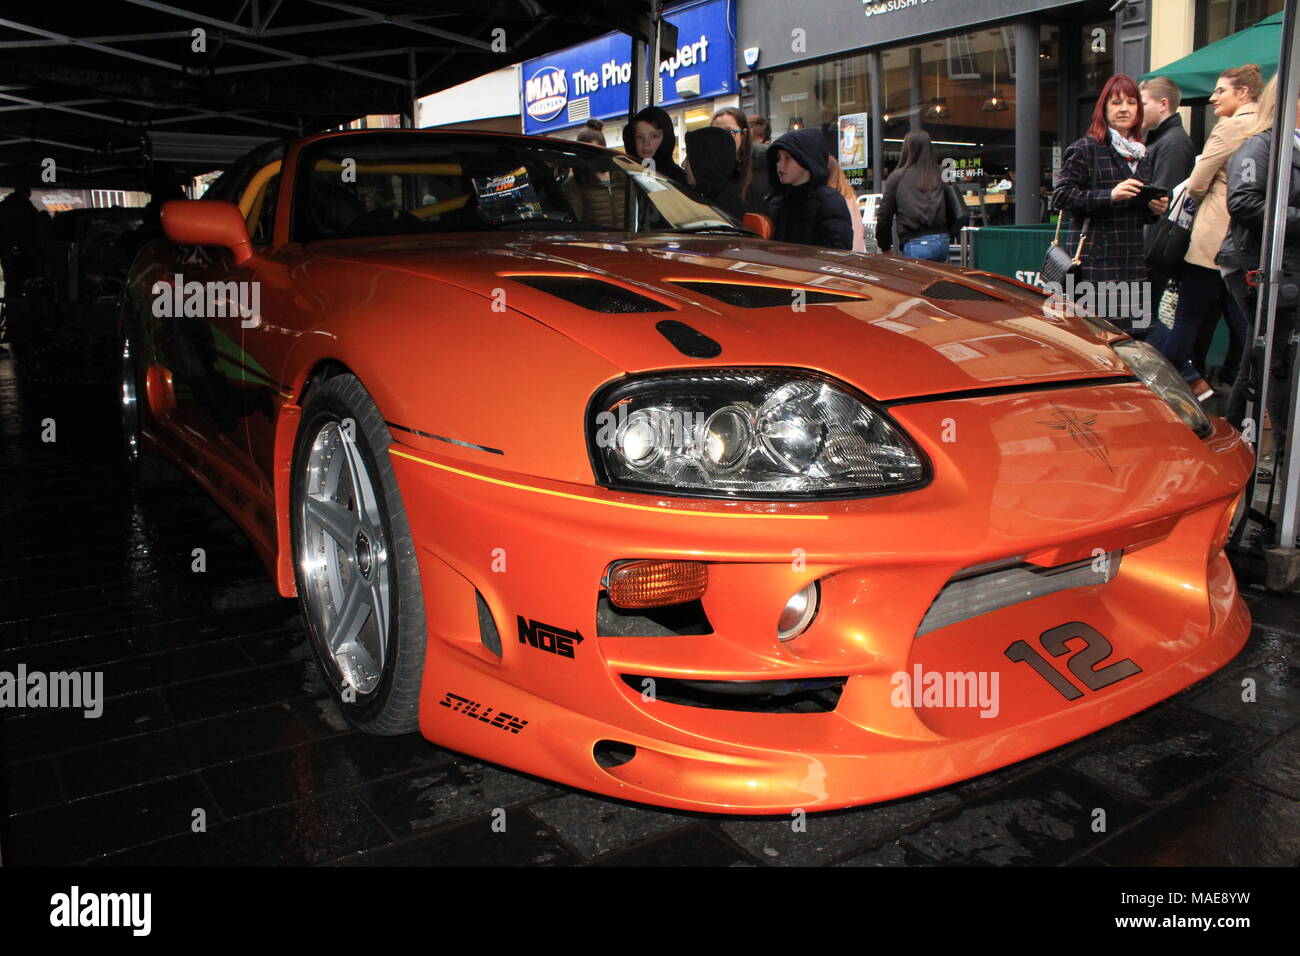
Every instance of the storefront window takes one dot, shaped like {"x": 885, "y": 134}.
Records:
{"x": 833, "y": 96}
{"x": 961, "y": 90}
{"x": 1223, "y": 18}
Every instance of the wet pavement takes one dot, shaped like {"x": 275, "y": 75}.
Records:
{"x": 218, "y": 745}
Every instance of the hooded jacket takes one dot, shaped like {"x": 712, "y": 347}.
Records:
{"x": 1247, "y": 190}
{"x": 663, "y": 157}
{"x": 812, "y": 212}
{"x": 711, "y": 153}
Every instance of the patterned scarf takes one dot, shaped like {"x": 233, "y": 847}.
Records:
{"x": 1130, "y": 149}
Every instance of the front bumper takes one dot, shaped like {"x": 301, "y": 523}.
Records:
{"x": 1007, "y": 484}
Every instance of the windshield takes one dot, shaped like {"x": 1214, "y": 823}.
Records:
{"x": 440, "y": 183}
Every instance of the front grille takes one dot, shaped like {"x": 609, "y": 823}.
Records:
{"x": 817, "y": 695}
{"x": 982, "y": 589}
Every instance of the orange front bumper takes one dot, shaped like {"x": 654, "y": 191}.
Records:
{"x": 1005, "y": 485}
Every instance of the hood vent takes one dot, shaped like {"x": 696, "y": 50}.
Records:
{"x": 764, "y": 297}
{"x": 957, "y": 291}
{"x": 687, "y": 340}
{"x": 594, "y": 294}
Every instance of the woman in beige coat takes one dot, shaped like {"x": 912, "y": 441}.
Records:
{"x": 1202, "y": 294}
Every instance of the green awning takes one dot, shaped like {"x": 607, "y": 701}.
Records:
{"x": 1197, "y": 72}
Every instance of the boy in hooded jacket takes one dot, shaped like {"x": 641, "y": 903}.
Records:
{"x": 651, "y": 135}
{"x": 803, "y": 208}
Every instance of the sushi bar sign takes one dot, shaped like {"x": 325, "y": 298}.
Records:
{"x": 874, "y": 8}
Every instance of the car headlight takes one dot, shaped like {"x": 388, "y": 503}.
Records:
{"x": 747, "y": 433}
{"x": 1162, "y": 378}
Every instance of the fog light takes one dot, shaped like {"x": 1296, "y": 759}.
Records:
{"x": 799, "y": 613}
{"x": 656, "y": 583}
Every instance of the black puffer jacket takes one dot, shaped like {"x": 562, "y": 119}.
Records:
{"x": 665, "y": 165}
{"x": 711, "y": 154}
{"x": 811, "y": 213}
{"x": 1247, "y": 188}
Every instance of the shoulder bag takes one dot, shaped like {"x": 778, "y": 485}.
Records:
{"x": 1057, "y": 262}
{"x": 1171, "y": 237}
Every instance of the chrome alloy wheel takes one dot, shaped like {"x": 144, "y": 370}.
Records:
{"x": 130, "y": 408}
{"x": 343, "y": 559}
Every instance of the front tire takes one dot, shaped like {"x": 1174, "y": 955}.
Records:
{"x": 354, "y": 560}
{"x": 143, "y": 470}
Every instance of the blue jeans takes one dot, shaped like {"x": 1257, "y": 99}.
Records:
{"x": 933, "y": 248}
{"x": 1202, "y": 297}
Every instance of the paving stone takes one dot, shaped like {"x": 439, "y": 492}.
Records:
{"x": 1041, "y": 820}
{"x": 1157, "y": 757}
{"x": 1277, "y": 766}
{"x": 828, "y": 836}
{"x": 595, "y": 825}
{"x": 434, "y": 797}
{"x": 1228, "y": 822}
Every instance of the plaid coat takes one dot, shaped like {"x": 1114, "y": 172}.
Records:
{"x": 1115, "y": 250}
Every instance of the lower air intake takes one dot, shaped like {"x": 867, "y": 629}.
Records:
{"x": 977, "y": 591}
{"x": 817, "y": 695}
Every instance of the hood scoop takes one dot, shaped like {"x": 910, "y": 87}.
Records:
{"x": 947, "y": 290}
{"x": 596, "y": 295}
{"x": 763, "y": 296}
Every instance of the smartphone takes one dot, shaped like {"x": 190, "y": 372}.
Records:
{"x": 1149, "y": 192}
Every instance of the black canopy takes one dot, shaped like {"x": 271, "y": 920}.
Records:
{"x": 107, "y": 88}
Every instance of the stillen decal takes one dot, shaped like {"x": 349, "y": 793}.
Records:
{"x": 1080, "y": 429}
{"x": 471, "y": 709}
{"x": 556, "y": 640}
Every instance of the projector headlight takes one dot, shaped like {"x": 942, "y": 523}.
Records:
{"x": 747, "y": 433}
{"x": 1162, "y": 378}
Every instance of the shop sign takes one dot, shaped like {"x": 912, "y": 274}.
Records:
{"x": 591, "y": 80}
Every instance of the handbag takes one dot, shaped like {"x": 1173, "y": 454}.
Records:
{"x": 958, "y": 214}
{"x": 1171, "y": 237}
{"x": 1057, "y": 262}
{"x": 1168, "y": 307}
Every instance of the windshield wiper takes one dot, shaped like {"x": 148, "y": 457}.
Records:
{"x": 722, "y": 230}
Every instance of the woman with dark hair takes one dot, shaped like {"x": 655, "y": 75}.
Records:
{"x": 1100, "y": 177}
{"x": 595, "y": 196}
{"x": 650, "y": 136}
{"x": 736, "y": 125}
{"x": 914, "y": 194}
{"x": 1202, "y": 294}
{"x": 711, "y": 166}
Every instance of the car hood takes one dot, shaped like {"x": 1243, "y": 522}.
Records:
{"x": 894, "y": 328}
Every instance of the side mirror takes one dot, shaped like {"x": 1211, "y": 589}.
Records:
{"x": 757, "y": 222}
{"x": 206, "y": 222}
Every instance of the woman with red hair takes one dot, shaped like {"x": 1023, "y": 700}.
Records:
{"x": 1098, "y": 183}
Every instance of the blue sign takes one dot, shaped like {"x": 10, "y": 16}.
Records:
{"x": 590, "y": 81}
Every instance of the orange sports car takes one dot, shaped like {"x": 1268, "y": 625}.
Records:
{"x": 574, "y": 473}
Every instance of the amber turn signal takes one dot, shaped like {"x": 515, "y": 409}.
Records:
{"x": 657, "y": 583}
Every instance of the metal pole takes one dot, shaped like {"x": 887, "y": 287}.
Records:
{"x": 1279, "y": 191}
{"x": 877, "y": 127}
{"x": 916, "y": 98}
{"x": 1028, "y": 141}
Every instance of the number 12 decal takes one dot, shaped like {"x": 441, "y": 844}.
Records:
{"x": 1082, "y": 663}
